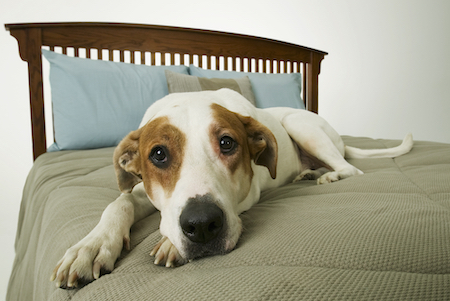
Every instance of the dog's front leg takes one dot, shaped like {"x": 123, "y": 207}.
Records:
{"x": 97, "y": 252}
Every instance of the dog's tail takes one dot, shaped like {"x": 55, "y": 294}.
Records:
{"x": 357, "y": 153}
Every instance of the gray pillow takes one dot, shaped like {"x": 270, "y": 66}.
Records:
{"x": 178, "y": 83}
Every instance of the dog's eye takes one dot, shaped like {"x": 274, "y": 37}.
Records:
{"x": 159, "y": 156}
{"x": 227, "y": 145}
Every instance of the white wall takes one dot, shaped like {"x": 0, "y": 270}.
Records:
{"x": 387, "y": 72}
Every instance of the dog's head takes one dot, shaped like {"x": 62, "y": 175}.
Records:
{"x": 196, "y": 161}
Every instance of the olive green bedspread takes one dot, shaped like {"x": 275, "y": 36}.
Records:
{"x": 384, "y": 235}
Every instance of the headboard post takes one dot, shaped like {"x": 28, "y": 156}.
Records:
{"x": 312, "y": 82}
{"x": 30, "y": 42}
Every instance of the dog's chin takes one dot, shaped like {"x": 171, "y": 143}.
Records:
{"x": 218, "y": 246}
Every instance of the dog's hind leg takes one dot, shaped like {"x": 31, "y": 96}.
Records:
{"x": 311, "y": 174}
{"x": 318, "y": 139}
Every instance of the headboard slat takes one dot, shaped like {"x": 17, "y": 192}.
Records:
{"x": 210, "y": 49}
{"x": 304, "y": 79}
{"x": 152, "y": 58}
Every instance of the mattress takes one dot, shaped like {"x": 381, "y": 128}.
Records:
{"x": 379, "y": 236}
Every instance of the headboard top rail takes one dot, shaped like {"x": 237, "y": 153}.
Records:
{"x": 236, "y": 51}
{"x": 95, "y": 33}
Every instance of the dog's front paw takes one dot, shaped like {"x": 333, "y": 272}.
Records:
{"x": 86, "y": 261}
{"x": 166, "y": 254}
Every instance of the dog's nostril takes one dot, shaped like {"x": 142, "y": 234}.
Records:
{"x": 213, "y": 227}
{"x": 190, "y": 229}
{"x": 201, "y": 221}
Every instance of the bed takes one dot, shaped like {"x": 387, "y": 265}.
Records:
{"x": 384, "y": 235}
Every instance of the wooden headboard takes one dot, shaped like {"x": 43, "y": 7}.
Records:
{"x": 143, "y": 44}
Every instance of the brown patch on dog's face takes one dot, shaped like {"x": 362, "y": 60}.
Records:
{"x": 161, "y": 146}
{"x": 229, "y": 140}
{"x": 152, "y": 154}
{"x": 237, "y": 140}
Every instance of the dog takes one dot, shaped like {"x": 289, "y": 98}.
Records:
{"x": 202, "y": 159}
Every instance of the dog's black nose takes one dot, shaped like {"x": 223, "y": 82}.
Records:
{"x": 201, "y": 221}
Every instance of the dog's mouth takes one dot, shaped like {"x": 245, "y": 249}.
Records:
{"x": 217, "y": 246}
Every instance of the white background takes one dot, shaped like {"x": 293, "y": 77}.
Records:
{"x": 387, "y": 72}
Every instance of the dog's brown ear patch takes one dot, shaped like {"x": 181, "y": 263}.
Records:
{"x": 127, "y": 162}
{"x": 262, "y": 144}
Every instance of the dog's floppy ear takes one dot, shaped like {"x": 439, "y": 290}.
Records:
{"x": 262, "y": 144}
{"x": 127, "y": 162}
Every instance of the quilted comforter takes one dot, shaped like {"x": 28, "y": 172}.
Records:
{"x": 381, "y": 236}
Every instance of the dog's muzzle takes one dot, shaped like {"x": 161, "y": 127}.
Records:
{"x": 203, "y": 224}
{"x": 201, "y": 221}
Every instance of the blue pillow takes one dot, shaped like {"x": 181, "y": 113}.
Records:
{"x": 96, "y": 103}
{"x": 270, "y": 90}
